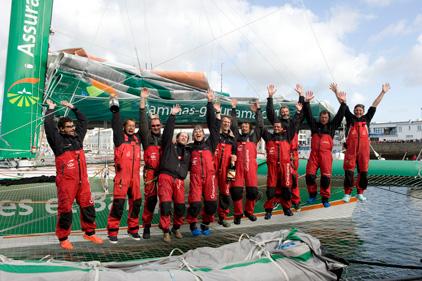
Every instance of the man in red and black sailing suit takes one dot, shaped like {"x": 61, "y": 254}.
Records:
{"x": 202, "y": 172}
{"x": 246, "y": 165}
{"x": 174, "y": 167}
{"x": 278, "y": 147}
{"x": 151, "y": 143}
{"x": 224, "y": 157}
{"x": 358, "y": 145}
{"x": 284, "y": 117}
{"x": 127, "y": 163}
{"x": 71, "y": 174}
{"x": 321, "y": 147}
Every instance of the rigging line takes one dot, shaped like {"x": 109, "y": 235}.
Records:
{"x": 132, "y": 36}
{"x": 146, "y": 28}
{"x": 217, "y": 38}
{"x": 100, "y": 22}
{"x": 317, "y": 41}
{"x": 261, "y": 40}
{"x": 235, "y": 65}
{"x": 212, "y": 51}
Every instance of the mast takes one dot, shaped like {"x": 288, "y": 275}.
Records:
{"x": 25, "y": 77}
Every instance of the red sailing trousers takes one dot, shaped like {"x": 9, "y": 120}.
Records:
{"x": 170, "y": 190}
{"x": 246, "y": 176}
{"x": 222, "y": 161}
{"x": 72, "y": 183}
{"x": 294, "y": 164}
{"x": 152, "y": 162}
{"x": 357, "y": 153}
{"x": 202, "y": 184}
{"x": 278, "y": 177}
{"x": 127, "y": 159}
{"x": 320, "y": 158}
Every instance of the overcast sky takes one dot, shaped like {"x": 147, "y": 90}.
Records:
{"x": 360, "y": 44}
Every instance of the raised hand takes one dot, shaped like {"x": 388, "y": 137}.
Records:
{"x": 234, "y": 103}
{"x": 144, "y": 93}
{"x": 271, "y": 90}
{"x": 255, "y": 106}
{"x": 334, "y": 88}
{"x": 176, "y": 109}
{"x": 385, "y": 88}
{"x": 217, "y": 107}
{"x": 341, "y": 96}
{"x": 144, "y": 96}
{"x": 309, "y": 96}
{"x": 299, "y": 106}
{"x": 67, "y": 104}
{"x": 210, "y": 95}
{"x": 299, "y": 89}
{"x": 51, "y": 104}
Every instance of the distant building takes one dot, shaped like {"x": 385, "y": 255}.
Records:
{"x": 396, "y": 131}
{"x": 99, "y": 141}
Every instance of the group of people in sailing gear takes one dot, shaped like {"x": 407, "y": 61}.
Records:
{"x": 221, "y": 166}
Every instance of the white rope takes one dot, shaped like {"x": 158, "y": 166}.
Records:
{"x": 185, "y": 263}
{"x": 262, "y": 249}
{"x": 47, "y": 258}
{"x": 95, "y": 265}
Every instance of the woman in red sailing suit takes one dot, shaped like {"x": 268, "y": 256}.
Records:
{"x": 71, "y": 176}
{"x": 358, "y": 145}
{"x": 127, "y": 162}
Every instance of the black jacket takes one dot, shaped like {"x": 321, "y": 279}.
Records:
{"x": 118, "y": 132}
{"x": 214, "y": 127}
{"x": 255, "y": 134}
{"x": 147, "y": 137}
{"x": 291, "y": 125}
{"x": 61, "y": 143}
{"x": 331, "y": 127}
{"x": 175, "y": 158}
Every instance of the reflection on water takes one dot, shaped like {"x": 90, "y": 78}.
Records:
{"x": 387, "y": 228}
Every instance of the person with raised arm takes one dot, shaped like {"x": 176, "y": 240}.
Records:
{"x": 278, "y": 147}
{"x": 72, "y": 183}
{"x": 284, "y": 117}
{"x": 322, "y": 132}
{"x": 202, "y": 186}
{"x": 225, "y": 160}
{"x": 246, "y": 165}
{"x": 127, "y": 181}
{"x": 150, "y": 133}
{"x": 358, "y": 144}
{"x": 174, "y": 167}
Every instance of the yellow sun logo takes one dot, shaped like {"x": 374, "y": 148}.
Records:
{"x": 23, "y": 97}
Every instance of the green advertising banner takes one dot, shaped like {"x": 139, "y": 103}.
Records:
{"x": 24, "y": 82}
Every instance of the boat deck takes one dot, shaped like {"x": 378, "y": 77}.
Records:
{"x": 46, "y": 246}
